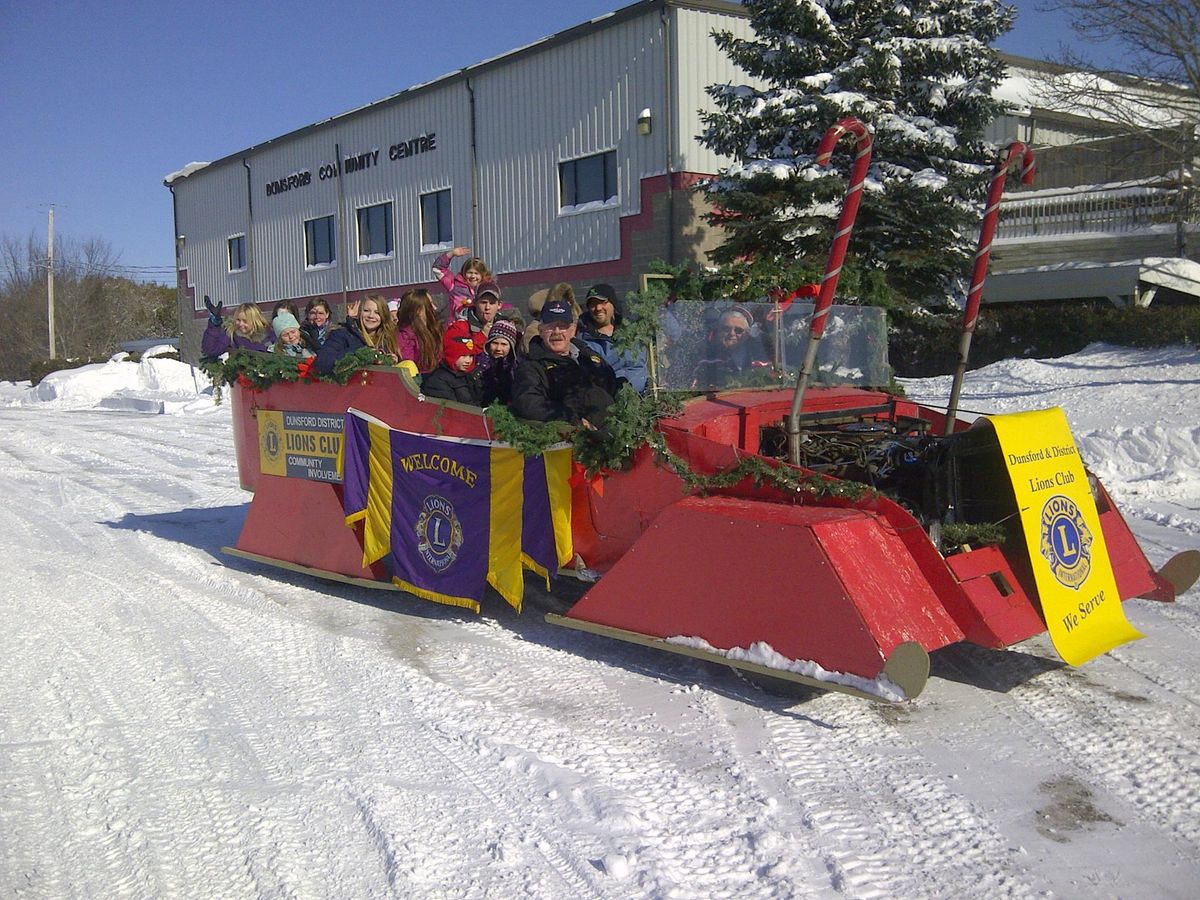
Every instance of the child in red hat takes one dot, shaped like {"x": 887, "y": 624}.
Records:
{"x": 455, "y": 377}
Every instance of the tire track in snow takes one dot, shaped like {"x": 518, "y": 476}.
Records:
{"x": 1129, "y": 751}
{"x": 882, "y": 825}
{"x": 666, "y": 826}
{"x": 230, "y": 584}
{"x": 1133, "y": 751}
{"x": 289, "y": 721}
{"x": 601, "y": 776}
{"x": 82, "y": 576}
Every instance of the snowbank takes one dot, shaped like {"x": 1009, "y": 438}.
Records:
{"x": 1133, "y": 414}
{"x": 152, "y": 385}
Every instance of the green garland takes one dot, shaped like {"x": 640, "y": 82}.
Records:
{"x": 632, "y": 423}
{"x": 781, "y": 477}
{"x": 639, "y": 326}
{"x": 977, "y": 534}
{"x": 259, "y": 371}
{"x": 531, "y": 438}
{"x": 352, "y": 363}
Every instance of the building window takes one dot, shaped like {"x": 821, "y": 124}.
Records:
{"x": 590, "y": 179}
{"x": 435, "y": 219}
{"x": 237, "y": 253}
{"x": 375, "y": 231}
{"x": 320, "y": 247}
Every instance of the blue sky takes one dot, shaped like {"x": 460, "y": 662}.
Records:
{"x": 100, "y": 100}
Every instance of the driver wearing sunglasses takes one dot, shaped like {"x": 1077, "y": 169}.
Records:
{"x": 732, "y": 349}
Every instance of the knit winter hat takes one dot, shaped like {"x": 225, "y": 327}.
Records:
{"x": 284, "y": 322}
{"x": 737, "y": 309}
{"x": 458, "y": 341}
{"x": 504, "y": 330}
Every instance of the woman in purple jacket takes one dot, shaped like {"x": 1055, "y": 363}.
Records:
{"x": 245, "y": 330}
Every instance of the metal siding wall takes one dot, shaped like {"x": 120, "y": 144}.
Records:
{"x": 562, "y": 103}
{"x": 1006, "y": 129}
{"x": 446, "y": 113}
{"x": 699, "y": 63}
{"x": 279, "y": 218}
{"x": 532, "y": 112}
{"x": 212, "y": 203}
{"x": 211, "y": 206}
{"x": 278, "y": 240}
{"x": 1050, "y": 133}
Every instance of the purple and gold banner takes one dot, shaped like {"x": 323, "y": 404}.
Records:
{"x": 450, "y": 516}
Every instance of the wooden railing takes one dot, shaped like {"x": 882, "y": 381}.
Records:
{"x": 1125, "y": 207}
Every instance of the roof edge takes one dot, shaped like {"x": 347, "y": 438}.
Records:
{"x": 607, "y": 20}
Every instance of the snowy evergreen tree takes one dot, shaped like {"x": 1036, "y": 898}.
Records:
{"x": 920, "y": 74}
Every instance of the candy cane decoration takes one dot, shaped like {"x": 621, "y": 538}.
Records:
{"x": 991, "y": 213}
{"x": 837, "y": 255}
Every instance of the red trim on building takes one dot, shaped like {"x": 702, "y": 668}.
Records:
{"x": 183, "y": 283}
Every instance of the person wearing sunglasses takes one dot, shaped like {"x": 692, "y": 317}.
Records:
{"x": 732, "y": 349}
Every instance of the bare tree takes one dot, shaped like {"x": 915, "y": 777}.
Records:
{"x": 94, "y": 310}
{"x": 1154, "y": 93}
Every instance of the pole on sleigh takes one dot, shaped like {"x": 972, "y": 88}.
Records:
{"x": 833, "y": 266}
{"x": 1017, "y": 151}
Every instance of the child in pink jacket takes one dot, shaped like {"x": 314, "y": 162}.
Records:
{"x": 460, "y": 288}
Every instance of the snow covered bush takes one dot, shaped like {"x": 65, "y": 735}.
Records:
{"x": 920, "y": 74}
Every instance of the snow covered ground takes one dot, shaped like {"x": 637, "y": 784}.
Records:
{"x": 177, "y": 723}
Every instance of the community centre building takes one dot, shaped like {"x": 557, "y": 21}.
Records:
{"x": 569, "y": 159}
{"x": 575, "y": 159}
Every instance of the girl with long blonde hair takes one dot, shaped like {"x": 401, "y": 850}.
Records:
{"x": 246, "y": 329}
{"x": 372, "y": 327}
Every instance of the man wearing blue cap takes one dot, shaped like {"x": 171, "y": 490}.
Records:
{"x": 561, "y": 378}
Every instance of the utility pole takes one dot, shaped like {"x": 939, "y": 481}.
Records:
{"x": 50, "y": 278}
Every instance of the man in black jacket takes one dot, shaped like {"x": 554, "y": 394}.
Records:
{"x": 562, "y": 379}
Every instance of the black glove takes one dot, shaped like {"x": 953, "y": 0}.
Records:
{"x": 214, "y": 311}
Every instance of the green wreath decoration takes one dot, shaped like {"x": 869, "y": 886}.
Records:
{"x": 259, "y": 371}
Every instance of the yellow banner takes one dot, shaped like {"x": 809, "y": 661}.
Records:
{"x": 297, "y": 444}
{"x": 1062, "y": 531}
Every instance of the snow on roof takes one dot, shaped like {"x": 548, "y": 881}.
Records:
{"x": 1139, "y": 187}
{"x": 1025, "y": 91}
{"x": 184, "y": 172}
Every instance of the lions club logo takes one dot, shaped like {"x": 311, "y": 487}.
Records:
{"x": 439, "y": 533}
{"x": 1066, "y": 541}
{"x": 270, "y": 440}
